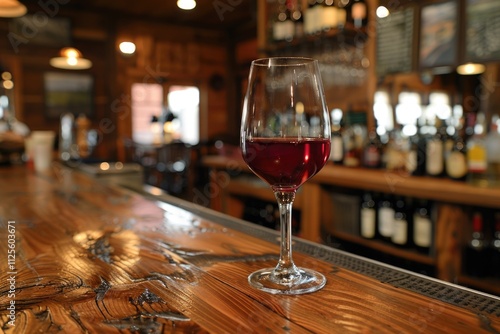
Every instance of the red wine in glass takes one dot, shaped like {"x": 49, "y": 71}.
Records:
{"x": 285, "y": 140}
{"x": 286, "y": 163}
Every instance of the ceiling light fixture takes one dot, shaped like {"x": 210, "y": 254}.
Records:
{"x": 70, "y": 59}
{"x": 127, "y": 48}
{"x": 12, "y": 8}
{"x": 470, "y": 69}
{"x": 186, "y": 4}
{"x": 382, "y": 12}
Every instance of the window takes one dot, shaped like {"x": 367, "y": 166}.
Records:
{"x": 150, "y": 105}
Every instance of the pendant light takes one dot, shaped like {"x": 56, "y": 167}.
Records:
{"x": 470, "y": 69}
{"x": 12, "y": 8}
{"x": 70, "y": 59}
{"x": 186, "y": 4}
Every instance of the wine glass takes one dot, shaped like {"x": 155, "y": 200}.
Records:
{"x": 285, "y": 140}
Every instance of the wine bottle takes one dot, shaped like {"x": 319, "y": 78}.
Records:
{"x": 351, "y": 153}
{"x": 434, "y": 156}
{"x": 495, "y": 248}
{"x": 359, "y": 13}
{"x": 449, "y": 135}
{"x": 342, "y": 13}
{"x": 337, "y": 146}
{"x": 421, "y": 149}
{"x": 401, "y": 227}
{"x": 372, "y": 152}
{"x": 385, "y": 218}
{"x": 475, "y": 263}
{"x": 312, "y": 17}
{"x": 278, "y": 24}
{"x": 423, "y": 226}
{"x": 456, "y": 161}
{"x": 476, "y": 154}
{"x": 412, "y": 155}
{"x": 329, "y": 16}
{"x": 298, "y": 19}
{"x": 288, "y": 23}
{"x": 493, "y": 152}
{"x": 368, "y": 217}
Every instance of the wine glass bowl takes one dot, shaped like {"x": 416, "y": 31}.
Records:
{"x": 285, "y": 140}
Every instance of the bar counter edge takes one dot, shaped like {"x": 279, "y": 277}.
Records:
{"x": 454, "y": 294}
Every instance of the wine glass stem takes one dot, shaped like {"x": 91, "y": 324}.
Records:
{"x": 286, "y": 269}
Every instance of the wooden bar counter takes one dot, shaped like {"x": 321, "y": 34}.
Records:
{"x": 91, "y": 257}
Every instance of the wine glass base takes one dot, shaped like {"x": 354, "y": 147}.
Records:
{"x": 308, "y": 282}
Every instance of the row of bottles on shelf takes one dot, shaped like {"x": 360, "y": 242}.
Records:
{"x": 410, "y": 223}
{"x": 459, "y": 149}
{"x": 290, "y": 20}
{"x": 481, "y": 256}
{"x": 404, "y": 222}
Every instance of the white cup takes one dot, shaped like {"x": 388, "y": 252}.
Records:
{"x": 42, "y": 145}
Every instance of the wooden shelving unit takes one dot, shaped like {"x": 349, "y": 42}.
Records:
{"x": 386, "y": 248}
{"x": 451, "y": 197}
{"x": 335, "y": 37}
{"x": 437, "y": 189}
{"x": 314, "y": 199}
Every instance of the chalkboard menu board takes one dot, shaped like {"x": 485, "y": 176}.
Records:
{"x": 395, "y": 42}
{"x": 482, "y": 41}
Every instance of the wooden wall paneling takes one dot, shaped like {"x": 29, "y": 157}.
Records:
{"x": 188, "y": 61}
{"x": 89, "y": 33}
{"x": 204, "y": 107}
{"x": 177, "y": 57}
{"x": 193, "y": 58}
{"x": 491, "y": 90}
{"x": 213, "y": 54}
{"x": 262, "y": 20}
{"x": 193, "y": 55}
{"x": 144, "y": 50}
{"x": 246, "y": 51}
{"x": 449, "y": 241}
{"x": 165, "y": 31}
{"x": 311, "y": 214}
{"x": 163, "y": 56}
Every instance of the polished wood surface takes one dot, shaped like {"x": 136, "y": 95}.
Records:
{"x": 91, "y": 257}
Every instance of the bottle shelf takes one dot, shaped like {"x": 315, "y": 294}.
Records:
{"x": 334, "y": 37}
{"x": 254, "y": 187}
{"x": 438, "y": 189}
{"x": 407, "y": 254}
{"x": 315, "y": 202}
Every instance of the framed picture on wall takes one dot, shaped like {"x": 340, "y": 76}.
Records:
{"x": 482, "y": 30}
{"x": 68, "y": 92}
{"x": 438, "y": 35}
{"x": 42, "y": 30}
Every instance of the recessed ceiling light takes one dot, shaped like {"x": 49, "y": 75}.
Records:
{"x": 382, "y": 12}
{"x": 186, "y": 4}
{"x": 127, "y": 48}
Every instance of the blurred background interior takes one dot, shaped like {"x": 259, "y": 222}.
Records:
{"x": 152, "y": 91}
